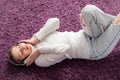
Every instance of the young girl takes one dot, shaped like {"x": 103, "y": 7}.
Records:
{"x": 100, "y": 34}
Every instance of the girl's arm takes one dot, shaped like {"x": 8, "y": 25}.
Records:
{"x": 51, "y": 54}
{"x": 30, "y": 59}
{"x": 51, "y": 25}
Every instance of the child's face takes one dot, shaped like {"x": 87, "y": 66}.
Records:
{"x": 21, "y": 51}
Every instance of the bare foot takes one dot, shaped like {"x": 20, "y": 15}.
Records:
{"x": 116, "y": 20}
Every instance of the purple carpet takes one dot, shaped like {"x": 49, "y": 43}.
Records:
{"x": 19, "y": 19}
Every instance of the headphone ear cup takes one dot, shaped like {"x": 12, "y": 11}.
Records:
{"x": 22, "y": 64}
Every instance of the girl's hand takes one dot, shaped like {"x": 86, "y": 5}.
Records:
{"x": 32, "y": 41}
{"x": 32, "y": 57}
{"x": 117, "y": 19}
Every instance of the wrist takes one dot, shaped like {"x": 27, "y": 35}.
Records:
{"x": 35, "y": 41}
{"x": 37, "y": 53}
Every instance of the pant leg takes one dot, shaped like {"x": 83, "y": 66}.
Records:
{"x": 96, "y": 21}
{"x": 104, "y": 44}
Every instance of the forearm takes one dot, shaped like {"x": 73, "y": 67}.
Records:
{"x": 51, "y": 25}
{"x": 35, "y": 40}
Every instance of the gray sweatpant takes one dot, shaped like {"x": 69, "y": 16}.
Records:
{"x": 104, "y": 44}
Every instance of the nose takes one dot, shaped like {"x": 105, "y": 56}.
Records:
{"x": 22, "y": 47}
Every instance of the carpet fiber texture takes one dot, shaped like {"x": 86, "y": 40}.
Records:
{"x": 20, "y": 19}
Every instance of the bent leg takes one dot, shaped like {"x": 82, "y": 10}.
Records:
{"x": 96, "y": 21}
{"x": 105, "y": 43}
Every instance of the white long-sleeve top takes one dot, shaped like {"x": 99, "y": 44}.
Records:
{"x": 56, "y": 45}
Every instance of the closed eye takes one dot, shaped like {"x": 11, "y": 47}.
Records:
{"x": 20, "y": 51}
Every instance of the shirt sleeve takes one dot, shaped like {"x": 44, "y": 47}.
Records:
{"x": 54, "y": 49}
{"x": 51, "y": 54}
{"x": 51, "y": 25}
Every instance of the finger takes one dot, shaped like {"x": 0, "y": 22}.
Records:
{"x": 29, "y": 63}
{"x": 26, "y": 61}
{"x": 119, "y": 14}
{"x": 28, "y": 58}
